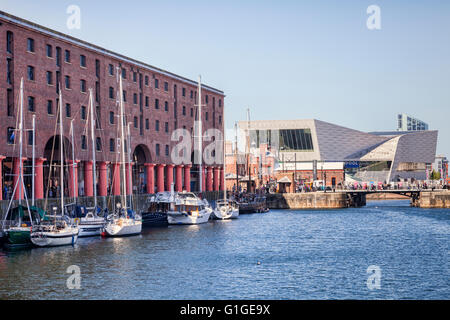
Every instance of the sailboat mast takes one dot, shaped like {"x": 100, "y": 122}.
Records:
{"x": 199, "y": 134}
{"x": 236, "y": 155}
{"x": 224, "y": 159}
{"x": 33, "y": 159}
{"x": 20, "y": 180}
{"x": 73, "y": 160}
{"x": 94, "y": 174}
{"x": 122, "y": 145}
{"x": 129, "y": 163}
{"x": 61, "y": 153}
{"x": 249, "y": 169}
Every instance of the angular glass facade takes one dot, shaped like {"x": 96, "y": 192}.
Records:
{"x": 283, "y": 139}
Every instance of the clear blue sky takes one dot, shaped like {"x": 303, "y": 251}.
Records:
{"x": 284, "y": 59}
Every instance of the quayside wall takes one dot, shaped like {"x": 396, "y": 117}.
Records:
{"x": 432, "y": 199}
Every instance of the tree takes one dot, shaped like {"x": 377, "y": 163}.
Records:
{"x": 435, "y": 175}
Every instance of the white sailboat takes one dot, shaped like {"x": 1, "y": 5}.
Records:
{"x": 18, "y": 221}
{"x": 58, "y": 230}
{"x": 225, "y": 209}
{"x": 124, "y": 221}
{"x": 89, "y": 222}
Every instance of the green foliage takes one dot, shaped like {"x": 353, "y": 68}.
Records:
{"x": 435, "y": 175}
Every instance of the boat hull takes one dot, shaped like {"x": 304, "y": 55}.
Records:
{"x": 154, "y": 219}
{"x": 53, "y": 239}
{"x": 230, "y": 214}
{"x": 182, "y": 218}
{"x": 18, "y": 238}
{"x": 126, "y": 228}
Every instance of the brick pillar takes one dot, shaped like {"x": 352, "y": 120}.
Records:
{"x": 103, "y": 178}
{"x": 223, "y": 185}
{"x": 116, "y": 179}
{"x": 169, "y": 178}
{"x": 160, "y": 182}
{"x": 150, "y": 177}
{"x": 129, "y": 175}
{"x": 39, "y": 178}
{"x": 187, "y": 177}
{"x": 73, "y": 179}
{"x": 88, "y": 179}
{"x": 16, "y": 173}
{"x": 179, "y": 178}
{"x": 203, "y": 179}
{"x": 216, "y": 178}
{"x": 209, "y": 178}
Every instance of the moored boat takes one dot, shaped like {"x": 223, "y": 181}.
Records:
{"x": 187, "y": 208}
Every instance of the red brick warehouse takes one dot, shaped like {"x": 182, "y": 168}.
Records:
{"x": 156, "y": 103}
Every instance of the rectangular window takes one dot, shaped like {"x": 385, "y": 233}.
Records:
{"x": 98, "y": 144}
{"x": 220, "y": 119}
{"x": 49, "y": 77}
{"x": 10, "y": 102}
{"x": 192, "y": 112}
{"x": 111, "y": 117}
{"x": 156, "y": 103}
{"x": 220, "y": 102}
{"x": 124, "y": 73}
{"x": 192, "y": 94}
{"x": 83, "y": 61}
{"x": 184, "y": 110}
{"x": 30, "y": 138}
{"x": 9, "y": 71}
{"x": 146, "y": 80}
{"x": 31, "y": 106}
{"x": 167, "y": 150}
{"x": 206, "y": 116}
{"x": 147, "y": 124}
{"x": 157, "y": 125}
{"x": 135, "y": 122}
{"x": 68, "y": 110}
{"x": 9, "y": 42}
{"x": 10, "y": 136}
{"x": 166, "y": 127}
{"x": 83, "y": 113}
{"x": 157, "y": 149}
{"x": 166, "y": 86}
{"x": 206, "y": 98}
{"x": 135, "y": 98}
{"x": 124, "y": 94}
{"x": 156, "y": 83}
{"x": 183, "y": 92}
{"x": 67, "y": 82}
{"x": 83, "y": 142}
{"x": 31, "y": 73}
{"x": 83, "y": 85}
{"x": 146, "y": 101}
{"x": 134, "y": 76}
{"x": 97, "y": 68}
{"x": 111, "y": 92}
{"x": 30, "y": 45}
{"x": 111, "y": 145}
{"x": 166, "y": 106}
{"x": 49, "y": 51}
{"x": 49, "y": 106}
{"x": 67, "y": 56}
{"x": 111, "y": 70}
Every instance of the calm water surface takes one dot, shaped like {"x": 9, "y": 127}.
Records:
{"x": 316, "y": 254}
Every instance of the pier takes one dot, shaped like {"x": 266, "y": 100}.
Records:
{"x": 355, "y": 198}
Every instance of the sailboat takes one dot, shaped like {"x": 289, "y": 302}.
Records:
{"x": 18, "y": 222}
{"x": 186, "y": 207}
{"x": 123, "y": 221}
{"x": 89, "y": 222}
{"x": 225, "y": 209}
{"x": 58, "y": 230}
